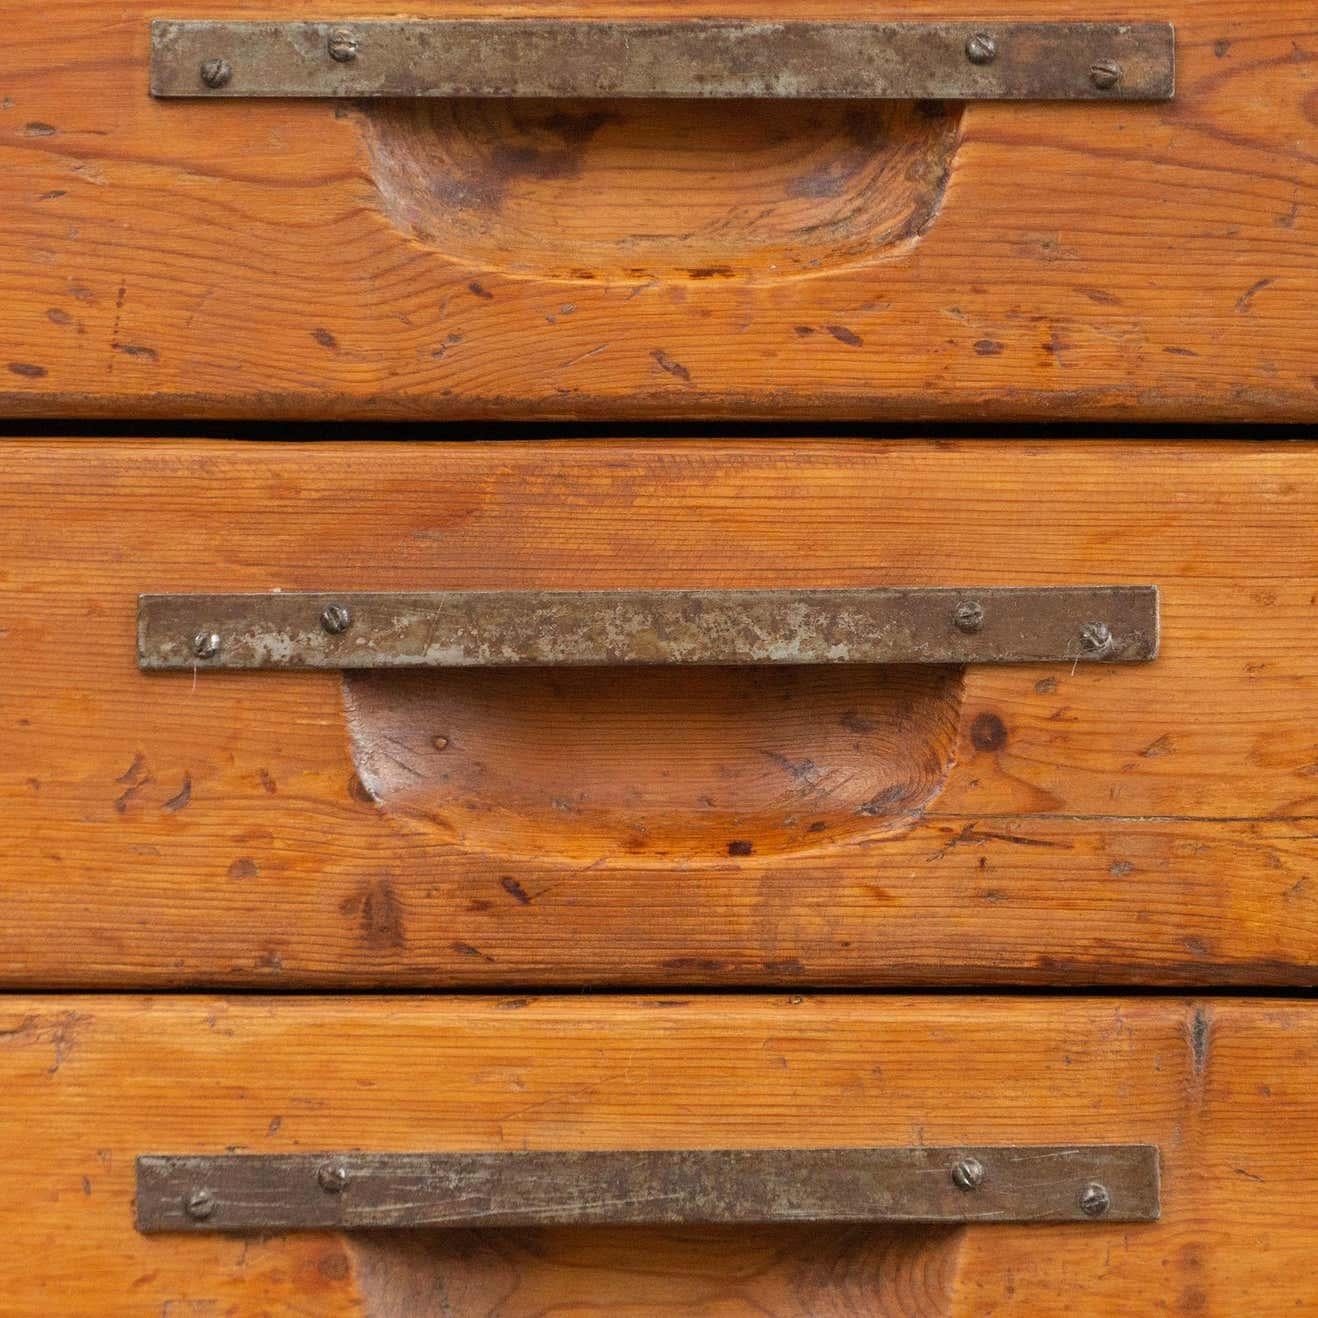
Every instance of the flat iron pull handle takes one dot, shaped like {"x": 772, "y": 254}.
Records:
{"x": 399, "y": 1191}
{"x": 536, "y": 628}
{"x": 704, "y": 58}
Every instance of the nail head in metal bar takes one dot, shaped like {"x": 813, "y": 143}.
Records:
{"x": 500, "y": 629}
{"x": 690, "y": 59}
{"x": 374, "y": 1191}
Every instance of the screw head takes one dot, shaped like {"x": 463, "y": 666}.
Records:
{"x": 206, "y": 645}
{"x": 1105, "y": 74}
{"x": 1095, "y": 1200}
{"x": 199, "y": 1205}
{"x": 1095, "y": 637}
{"x": 342, "y": 46}
{"x": 968, "y": 1174}
{"x": 981, "y": 48}
{"x": 333, "y": 1178}
{"x": 336, "y": 619}
{"x": 216, "y": 72}
{"x": 969, "y": 617}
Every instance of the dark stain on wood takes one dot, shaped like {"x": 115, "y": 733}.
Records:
{"x": 1245, "y": 302}
{"x": 988, "y": 732}
{"x": 138, "y": 351}
{"x": 844, "y": 335}
{"x": 380, "y": 914}
{"x": 466, "y": 949}
{"x": 181, "y": 798}
{"x": 515, "y": 890}
{"x": 666, "y": 363}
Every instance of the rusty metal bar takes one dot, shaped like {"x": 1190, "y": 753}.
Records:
{"x": 692, "y": 59}
{"x": 374, "y": 1191}
{"x": 443, "y": 629}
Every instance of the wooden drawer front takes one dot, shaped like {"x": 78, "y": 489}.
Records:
{"x": 832, "y": 823}
{"x": 92, "y": 1084}
{"x": 578, "y": 258}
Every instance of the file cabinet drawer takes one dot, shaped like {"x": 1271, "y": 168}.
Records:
{"x": 635, "y": 738}
{"x": 737, "y": 217}
{"x": 1189, "y": 1094}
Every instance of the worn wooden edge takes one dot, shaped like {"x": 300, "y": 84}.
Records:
{"x": 823, "y": 402}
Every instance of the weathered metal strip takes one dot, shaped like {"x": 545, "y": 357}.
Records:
{"x": 371, "y": 1191}
{"x": 442, "y": 629}
{"x": 692, "y": 59}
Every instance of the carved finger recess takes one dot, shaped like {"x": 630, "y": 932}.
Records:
{"x": 656, "y": 764}
{"x": 585, "y": 190}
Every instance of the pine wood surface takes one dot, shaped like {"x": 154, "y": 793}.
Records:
{"x": 1126, "y": 824}
{"x": 562, "y": 259}
{"x": 1224, "y": 1088}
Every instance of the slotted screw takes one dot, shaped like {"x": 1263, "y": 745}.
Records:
{"x": 968, "y": 1174}
{"x": 342, "y": 46}
{"x": 199, "y": 1205}
{"x": 1095, "y": 1200}
{"x": 336, "y": 619}
{"x": 206, "y": 645}
{"x": 1105, "y": 74}
{"x": 333, "y": 1178}
{"x": 216, "y": 72}
{"x": 981, "y": 48}
{"x": 969, "y": 617}
{"x": 1095, "y": 637}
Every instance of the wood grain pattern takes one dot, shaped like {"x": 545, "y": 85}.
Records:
{"x": 1225, "y": 1088}
{"x": 313, "y": 260}
{"x": 1125, "y": 824}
